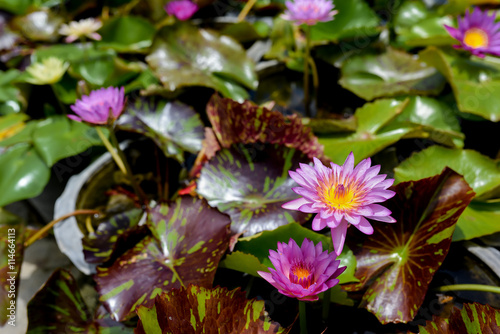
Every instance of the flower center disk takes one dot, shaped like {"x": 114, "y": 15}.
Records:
{"x": 301, "y": 273}
{"x": 476, "y": 38}
{"x": 339, "y": 197}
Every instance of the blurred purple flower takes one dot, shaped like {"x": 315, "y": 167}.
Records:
{"x": 342, "y": 195}
{"x": 100, "y": 106}
{"x": 182, "y": 9}
{"x": 303, "y": 272}
{"x": 477, "y": 32}
{"x": 309, "y": 12}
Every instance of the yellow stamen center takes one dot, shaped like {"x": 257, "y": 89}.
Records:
{"x": 301, "y": 272}
{"x": 340, "y": 197}
{"x": 476, "y": 38}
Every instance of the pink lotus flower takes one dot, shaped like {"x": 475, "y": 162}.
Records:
{"x": 309, "y": 12}
{"x": 341, "y": 196}
{"x": 181, "y": 9}
{"x": 100, "y": 107}
{"x": 303, "y": 272}
{"x": 478, "y": 33}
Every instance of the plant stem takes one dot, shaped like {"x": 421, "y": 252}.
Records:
{"x": 326, "y": 304}
{"x": 111, "y": 150}
{"x": 306, "y": 70}
{"x": 46, "y": 228}
{"x": 470, "y": 287}
{"x": 302, "y": 315}
{"x": 128, "y": 170}
{"x": 244, "y": 12}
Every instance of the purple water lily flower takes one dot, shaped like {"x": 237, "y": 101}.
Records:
{"x": 342, "y": 196}
{"x": 477, "y": 32}
{"x": 100, "y": 106}
{"x": 309, "y": 12}
{"x": 302, "y": 272}
{"x": 181, "y": 9}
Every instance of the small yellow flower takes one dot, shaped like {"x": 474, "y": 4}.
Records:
{"x": 48, "y": 71}
{"x": 83, "y": 28}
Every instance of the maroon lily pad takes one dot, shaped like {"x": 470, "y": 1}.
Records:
{"x": 174, "y": 127}
{"x": 250, "y": 184}
{"x": 112, "y": 234}
{"x": 59, "y": 308}
{"x": 247, "y": 123}
{"x": 472, "y": 318}
{"x": 200, "y": 310}
{"x": 189, "y": 238}
{"x": 397, "y": 263}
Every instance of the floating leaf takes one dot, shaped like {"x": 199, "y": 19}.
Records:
{"x": 198, "y": 310}
{"x": 59, "y": 307}
{"x": 257, "y": 247}
{"x": 248, "y": 123}
{"x": 482, "y": 173}
{"x": 250, "y": 184}
{"x": 175, "y": 127}
{"x": 11, "y": 100}
{"x": 397, "y": 263}
{"x": 472, "y": 318}
{"x": 389, "y": 74}
{"x": 370, "y": 137}
{"x": 354, "y": 20}
{"x": 11, "y": 257}
{"x": 475, "y": 81}
{"x": 100, "y": 245}
{"x": 189, "y": 240}
{"x": 184, "y": 55}
{"x": 140, "y": 33}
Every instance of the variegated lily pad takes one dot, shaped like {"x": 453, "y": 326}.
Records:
{"x": 397, "y": 263}
{"x": 250, "y": 184}
{"x": 200, "y": 310}
{"x": 188, "y": 241}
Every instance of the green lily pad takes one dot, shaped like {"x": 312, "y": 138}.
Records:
{"x": 184, "y": 55}
{"x": 198, "y": 310}
{"x": 188, "y": 241}
{"x": 397, "y": 263}
{"x": 355, "y": 19}
{"x": 459, "y": 6}
{"x": 250, "y": 184}
{"x": 17, "y": 7}
{"x": 471, "y": 319}
{"x": 475, "y": 82}
{"x": 245, "y": 31}
{"x": 11, "y": 99}
{"x": 58, "y": 307}
{"x": 174, "y": 127}
{"x": 389, "y": 74}
{"x": 370, "y": 136}
{"x": 417, "y": 25}
{"x": 258, "y": 247}
{"x": 247, "y": 123}
{"x": 11, "y": 257}
{"x": 139, "y": 36}
{"x": 482, "y": 173}
{"x": 23, "y": 174}
{"x": 282, "y": 38}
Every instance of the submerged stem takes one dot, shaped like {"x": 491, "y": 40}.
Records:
{"x": 306, "y": 71}
{"x": 326, "y": 304}
{"x": 111, "y": 150}
{"x": 302, "y": 315}
{"x": 470, "y": 287}
{"x": 41, "y": 233}
{"x": 244, "y": 12}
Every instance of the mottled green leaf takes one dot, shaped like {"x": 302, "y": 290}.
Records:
{"x": 12, "y": 235}
{"x": 481, "y": 173}
{"x": 188, "y": 241}
{"x": 475, "y": 81}
{"x": 370, "y": 137}
{"x": 258, "y": 246}
{"x": 389, "y": 74}
{"x": 200, "y": 310}
{"x": 139, "y": 36}
{"x": 184, "y": 55}
{"x": 58, "y": 307}
{"x": 397, "y": 263}
{"x": 250, "y": 184}
{"x": 175, "y": 127}
{"x": 247, "y": 123}
{"x": 23, "y": 174}
{"x": 471, "y": 319}
{"x": 355, "y": 19}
